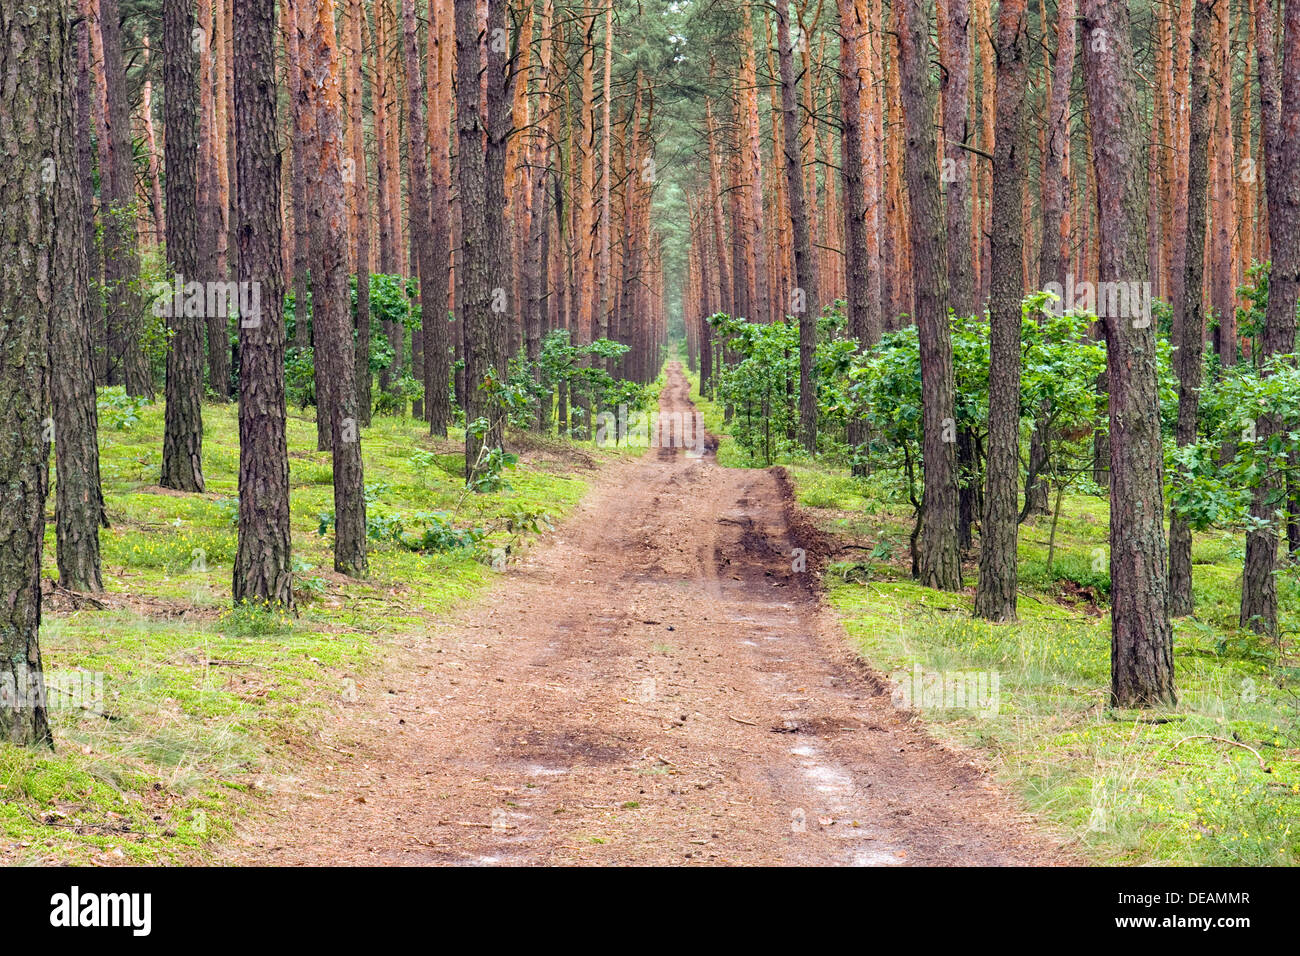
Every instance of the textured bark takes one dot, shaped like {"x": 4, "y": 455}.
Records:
{"x": 1279, "y": 87}
{"x": 182, "y": 458}
{"x": 500, "y": 76}
{"x": 1053, "y": 263}
{"x": 1222, "y": 261}
{"x": 127, "y": 364}
{"x": 995, "y": 598}
{"x": 753, "y": 159}
{"x": 360, "y": 203}
{"x": 438, "y": 345}
{"x": 302, "y": 321}
{"x": 263, "y": 565}
{"x": 151, "y": 149}
{"x": 473, "y": 263}
{"x": 79, "y": 502}
{"x": 86, "y": 171}
{"x": 336, "y": 392}
{"x": 213, "y": 252}
{"x": 432, "y": 302}
{"x": 954, "y": 87}
{"x": 805, "y": 272}
{"x": 385, "y": 177}
{"x": 864, "y": 322}
{"x": 1189, "y": 317}
{"x": 603, "y": 266}
{"x": 37, "y": 140}
{"x": 939, "y": 560}
{"x": 1142, "y": 666}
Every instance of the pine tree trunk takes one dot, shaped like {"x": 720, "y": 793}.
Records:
{"x": 127, "y": 363}
{"x": 438, "y": 346}
{"x": 79, "y": 504}
{"x": 360, "y": 206}
{"x": 995, "y": 598}
{"x": 1142, "y": 666}
{"x": 86, "y": 170}
{"x": 806, "y": 304}
{"x": 954, "y": 89}
{"x": 301, "y": 293}
{"x": 38, "y": 199}
{"x": 182, "y": 459}
{"x": 433, "y": 299}
{"x": 1189, "y": 318}
{"x": 263, "y": 562}
{"x": 1281, "y": 147}
{"x": 336, "y": 392}
{"x": 939, "y": 559}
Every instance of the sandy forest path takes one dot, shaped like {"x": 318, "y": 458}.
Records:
{"x": 653, "y": 684}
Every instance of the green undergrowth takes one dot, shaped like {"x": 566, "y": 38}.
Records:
{"x": 170, "y": 708}
{"x": 1212, "y": 781}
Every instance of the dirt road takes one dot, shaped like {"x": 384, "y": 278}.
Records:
{"x": 652, "y": 684}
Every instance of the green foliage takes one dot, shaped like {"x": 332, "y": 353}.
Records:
{"x": 119, "y": 411}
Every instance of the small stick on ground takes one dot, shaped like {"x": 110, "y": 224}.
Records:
{"x": 1232, "y": 743}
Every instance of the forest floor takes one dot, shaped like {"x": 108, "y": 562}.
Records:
{"x": 652, "y": 684}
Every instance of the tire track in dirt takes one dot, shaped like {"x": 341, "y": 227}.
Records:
{"x": 653, "y": 684}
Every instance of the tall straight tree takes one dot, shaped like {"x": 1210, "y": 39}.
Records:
{"x": 433, "y": 298}
{"x": 338, "y": 428}
{"x": 126, "y": 364}
{"x": 1189, "y": 315}
{"x": 954, "y": 87}
{"x": 995, "y": 598}
{"x": 863, "y": 311}
{"x": 939, "y": 559}
{"x": 804, "y": 302}
{"x": 79, "y": 503}
{"x": 499, "y": 63}
{"x": 40, "y": 203}
{"x": 360, "y": 206}
{"x": 182, "y": 460}
{"x": 438, "y": 346}
{"x": 1280, "y": 122}
{"x": 263, "y": 565}
{"x": 302, "y": 323}
{"x": 472, "y": 263}
{"x": 1142, "y": 663}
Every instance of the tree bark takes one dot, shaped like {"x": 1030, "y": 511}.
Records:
{"x": 360, "y": 207}
{"x": 336, "y": 392}
{"x": 939, "y": 560}
{"x": 1281, "y": 140}
{"x": 263, "y": 561}
{"x": 806, "y": 306}
{"x": 1142, "y": 665}
{"x": 438, "y": 346}
{"x": 433, "y": 300}
{"x": 79, "y": 502}
{"x": 127, "y": 363}
{"x": 1189, "y": 317}
{"x": 995, "y": 598}
{"x": 182, "y": 458}
{"x": 39, "y": 200}
{"x": 954, "y": 88}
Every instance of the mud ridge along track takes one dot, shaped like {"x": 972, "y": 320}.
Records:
{"x": 652, "y": 684}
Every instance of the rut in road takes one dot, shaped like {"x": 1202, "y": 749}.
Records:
{"x": 652, "y": 684}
